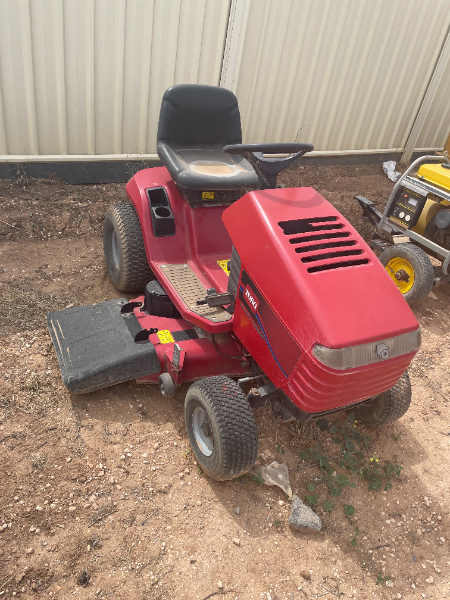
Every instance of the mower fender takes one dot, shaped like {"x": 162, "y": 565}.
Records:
{"x": 168, "y": 247}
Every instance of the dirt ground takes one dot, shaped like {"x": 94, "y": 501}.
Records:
{"x": 106, "y": 484}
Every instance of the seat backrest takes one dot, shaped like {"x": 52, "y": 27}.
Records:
{"x": 199, "y": 115}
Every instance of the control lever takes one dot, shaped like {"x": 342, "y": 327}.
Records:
{"x": 213, "y": 299}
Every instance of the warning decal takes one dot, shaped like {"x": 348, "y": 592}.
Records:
{"x": 165, "y": 337}
{"x": 224, "y": 265}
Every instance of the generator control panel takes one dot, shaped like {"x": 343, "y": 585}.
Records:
{"x": 408, "y": 205}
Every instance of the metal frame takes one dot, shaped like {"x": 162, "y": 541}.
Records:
{"x": 385, "y": 229}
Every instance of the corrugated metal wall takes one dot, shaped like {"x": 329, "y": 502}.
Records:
{"x": 343, "y": 75}
{"x": 436, "y": 128}
{"x": 83, "y": 77}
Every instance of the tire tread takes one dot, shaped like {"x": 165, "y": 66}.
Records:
{"x": 134, "y": 272}
{"x": 424, "y": 272}
{"x": 236, "y": 424}
{"x": 396, "y": 402}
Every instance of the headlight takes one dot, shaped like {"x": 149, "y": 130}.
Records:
{"x": 367, "y": 354}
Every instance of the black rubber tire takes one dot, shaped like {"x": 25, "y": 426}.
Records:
{"x": 127, "y": 265}
{"x": 423, "y": 269}
{"x": 233, "y": 426}
{"x": 166, "y": 385}
{"x": 388, "y": 406}
{"x": 436, "y": 235}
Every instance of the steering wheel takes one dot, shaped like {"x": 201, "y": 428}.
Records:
{"x": 268, "y": 168}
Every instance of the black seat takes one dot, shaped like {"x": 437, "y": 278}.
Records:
{"x": 195, "y": 122}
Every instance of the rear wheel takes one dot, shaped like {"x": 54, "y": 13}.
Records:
{"x": 388, "y": 406}
{"x": 123, "y": 247}
{"x": 411, "y": 270}
{"x": 221, "y": 427}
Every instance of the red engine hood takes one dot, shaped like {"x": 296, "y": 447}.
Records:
{"x": 313, "y": 268}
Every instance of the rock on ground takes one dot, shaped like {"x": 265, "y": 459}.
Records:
{"x": 303, "y": 518}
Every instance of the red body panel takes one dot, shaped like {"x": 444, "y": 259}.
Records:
{"x": 200, "y": 240}
{"x": 287, "y": 301}
{"x": 316, "y": 388}
{"x": 201, "y": 359}
{"x": 297, "y": 308}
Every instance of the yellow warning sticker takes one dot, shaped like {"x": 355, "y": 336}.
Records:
{"x": 208, "y": 195}
{"x": 165, "y": 337}
{"x": 224, "y": 265}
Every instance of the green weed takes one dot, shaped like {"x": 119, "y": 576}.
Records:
{"x": 397, "y": 435}
{"x": 381, "y": 579}
{"x": 353, "y": 540}
{"x": 258, "y": 479}
{"x": 312, "y": 499}
{"x": 355, "y": 461}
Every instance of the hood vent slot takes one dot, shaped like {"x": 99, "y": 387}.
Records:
{"x": 324, "y": 246}
{"x": 319, "y": 236}
{"x": 338, "y": 254}
{"x": 308, "y": 225}
{"x": 337, "y": 245}
{"x": 338, "y": 265}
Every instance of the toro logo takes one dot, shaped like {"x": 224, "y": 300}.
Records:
{"x": 251, "y": 299}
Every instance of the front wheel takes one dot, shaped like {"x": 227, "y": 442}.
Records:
{"x": 388, "y": 406}
{"x": 221, "y": 427}
{"x": 410, "y": 269}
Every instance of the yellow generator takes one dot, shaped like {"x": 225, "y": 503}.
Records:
{"x": 414, "y": 226}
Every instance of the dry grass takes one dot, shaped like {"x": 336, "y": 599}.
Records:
{"x": 38, "y": 461}
{"x": 7, "y": 404}
{"x": 26, "y": 309}
{"x": 99, "y": 515}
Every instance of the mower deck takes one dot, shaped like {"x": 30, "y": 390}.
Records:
{"x": 98, "y": 346}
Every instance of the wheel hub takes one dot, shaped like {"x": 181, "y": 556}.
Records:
{"x": 202, "y": 430}
{"x": 115, "y": 250}
{"x": 402, "y": 273}
{"x": 206, "y": 430}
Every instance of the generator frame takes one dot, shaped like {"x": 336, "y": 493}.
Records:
{"x": 386, "y": 231}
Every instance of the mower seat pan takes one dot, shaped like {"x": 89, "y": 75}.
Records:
{"x": 207, "y": 168}
{"x": 95, "y": 346}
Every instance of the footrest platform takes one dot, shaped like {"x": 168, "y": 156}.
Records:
{"x": 189, "y": 288}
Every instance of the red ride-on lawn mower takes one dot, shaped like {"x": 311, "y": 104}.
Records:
{"x": 242, "y": 280}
